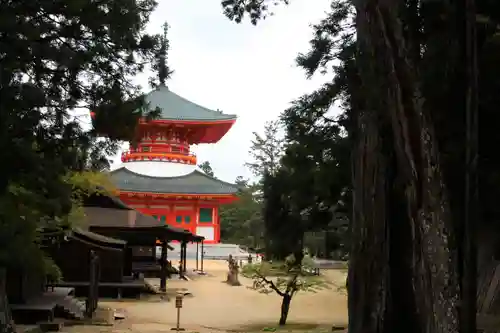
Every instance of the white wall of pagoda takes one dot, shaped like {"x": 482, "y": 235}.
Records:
{"x": 160, "y": 168}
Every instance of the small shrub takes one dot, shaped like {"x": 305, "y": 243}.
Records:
{"x": 285, "y": 279}
{"x": 51, "y": 270}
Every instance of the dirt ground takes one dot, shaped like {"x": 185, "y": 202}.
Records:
{"x": 215, "y": 306}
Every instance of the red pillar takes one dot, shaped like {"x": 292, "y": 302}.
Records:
{"x": 216, "y": 224}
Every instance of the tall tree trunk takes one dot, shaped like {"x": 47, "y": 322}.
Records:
{"x": 285, "y": 308}
{"x": 6, "y": 322}
{"x": 431, "y": 273}
{"x": 467, "y": 23}
{"x": 368, "y": 261}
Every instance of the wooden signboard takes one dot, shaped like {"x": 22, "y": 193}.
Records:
{"x": 178, "y": 301}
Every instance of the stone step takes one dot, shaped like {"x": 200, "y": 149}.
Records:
{"x": 73, "y": 307}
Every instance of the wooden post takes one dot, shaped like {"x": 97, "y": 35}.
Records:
{"x": 202, "y": 255}
{"x": 91, "y": 303}
{"x": 184, "y": 244}
{"x": 197, "y": 244}
{"x": 163, "y": 264}
{"x": 127, "y": 267}
{"x": 98, "y": 280}
{"x": 166, "y": 260}
{"x": 181, "y": 264}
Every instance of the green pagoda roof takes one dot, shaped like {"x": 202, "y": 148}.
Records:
{"x": 175, "y": 107}
{"x": 195, "y": 182}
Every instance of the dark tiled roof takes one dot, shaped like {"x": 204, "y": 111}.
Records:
{"x": 109, "y": 218}
{"x": 143, "y": 220}
{"x": 97, "y": 239}
{"x": 105, "y": 217}
{"x": 175, "y": 107}
{"x": 194, "y": 183}
{"x": 104, "y": 200}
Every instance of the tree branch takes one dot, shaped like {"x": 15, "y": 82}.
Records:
{"x": 291, "y": 285}
{"x": 271, "y": 284}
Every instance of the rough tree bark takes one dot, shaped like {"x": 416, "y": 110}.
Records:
{"x": 368, "y": 264}
{"x": 285, "y": 308}
{"x": 426, "y": 263}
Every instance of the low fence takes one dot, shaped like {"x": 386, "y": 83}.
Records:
{"x": 175, "y": 255}
{"x": 330, "y": 264}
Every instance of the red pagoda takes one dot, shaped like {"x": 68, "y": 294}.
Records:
{"x": 159, "y": 176}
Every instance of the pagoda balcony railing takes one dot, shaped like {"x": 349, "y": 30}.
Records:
{"x": 162, "y": 150}
{"x": 176, "y": 157}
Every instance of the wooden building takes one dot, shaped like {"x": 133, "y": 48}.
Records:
{"x": 80, "y": 255}
{"x": 142, "y": 233}
{"x": 79, "y": 243}
{"x": 109, "y": 216}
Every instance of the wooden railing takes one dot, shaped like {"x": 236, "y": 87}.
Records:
{"x": 186, "y": 158}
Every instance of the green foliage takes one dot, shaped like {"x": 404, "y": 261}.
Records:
{"x": 160, "y": 66}
{"x": 58, "y": 57}
{"x": 313, "y": 184}
{"x": 241, "y": 221}
{"x": 266, "y": 150}
{"x": 306, "y": 176}
{"x": 207, "y": 168}
{"x": 83, "y": 184}
{"x": 308, "y": 263}
{"x": 256, "y": 10}
{"x": 284, "y": 227}
{"x": 283, "y": 277}
{"x": 51, "y": 270}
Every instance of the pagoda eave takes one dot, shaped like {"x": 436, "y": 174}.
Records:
{"x": 202, "y": 131}
{"x": 187, "y": 122}
{"x": 221, "y": 198}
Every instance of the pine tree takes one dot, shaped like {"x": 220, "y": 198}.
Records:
{"x": 57, "y": 60}
{"x": 266, "y": 150}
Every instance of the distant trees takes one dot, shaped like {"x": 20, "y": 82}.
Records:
{"x": 266, "y": 150}
{"x": 241, "y": 221}
{"x": 302, "y": 165}
{"x": 308, "y": 192}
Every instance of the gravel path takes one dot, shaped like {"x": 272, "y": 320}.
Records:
{"x": 216, "y": 306}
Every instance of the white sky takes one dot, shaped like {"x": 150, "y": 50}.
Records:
{"x": 238, "y": 68}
